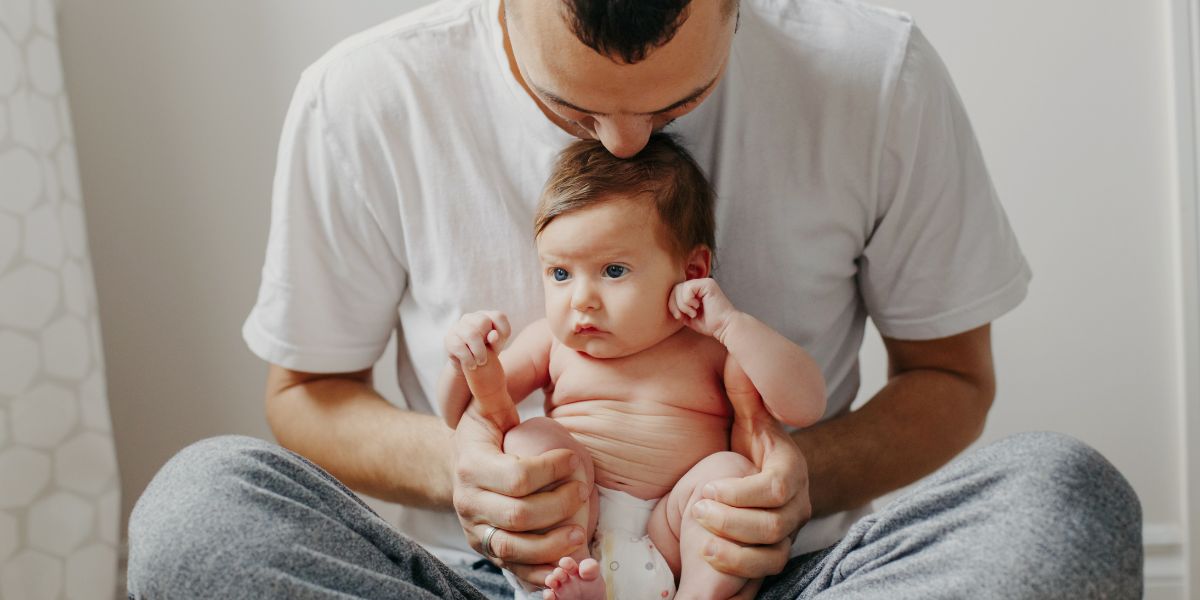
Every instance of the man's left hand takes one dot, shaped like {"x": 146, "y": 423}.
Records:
{"x": 756, "y": 517}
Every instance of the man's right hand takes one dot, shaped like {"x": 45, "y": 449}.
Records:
{"x": 525, "y": 498}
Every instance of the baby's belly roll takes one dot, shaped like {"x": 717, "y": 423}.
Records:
{"x": 642, "y": 448}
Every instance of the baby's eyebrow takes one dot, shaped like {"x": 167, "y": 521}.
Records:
{"x": 590, "y": 258}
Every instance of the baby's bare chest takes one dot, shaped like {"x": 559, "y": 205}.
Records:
{"x": 675, "y": 379}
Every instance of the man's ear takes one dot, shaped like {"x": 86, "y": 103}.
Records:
{"x": 699, "y": 263}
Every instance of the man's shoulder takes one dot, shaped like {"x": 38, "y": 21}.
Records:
{"x": 835, "y": 30}
{"x": 838, "y": 57}
{"x": 853, "y": 15}
{"x": 407, "y": 45}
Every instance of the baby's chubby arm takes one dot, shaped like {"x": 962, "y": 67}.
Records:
{"x": 478, "y": 335}
{"x": 522, "y": 497}
{"x": 786, "y": 377}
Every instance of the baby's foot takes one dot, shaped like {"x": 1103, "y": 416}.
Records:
{"x": 571, "y": 581}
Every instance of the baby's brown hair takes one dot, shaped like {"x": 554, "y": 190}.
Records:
{"x": 587, "y": 174}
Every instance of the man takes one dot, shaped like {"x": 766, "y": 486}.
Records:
{"x": 850, "y": 185}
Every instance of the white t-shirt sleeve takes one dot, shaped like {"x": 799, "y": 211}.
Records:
{"x": 331, "y": 282}
{"x": 942, "y": 258}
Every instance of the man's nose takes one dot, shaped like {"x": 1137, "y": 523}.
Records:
{"x": 624, "y": 136}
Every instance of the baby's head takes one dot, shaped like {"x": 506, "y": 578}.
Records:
{"x": 615, "y": 236}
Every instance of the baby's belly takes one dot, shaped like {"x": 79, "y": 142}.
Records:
{"x": 642, "y": 449}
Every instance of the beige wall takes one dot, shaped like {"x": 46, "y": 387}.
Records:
{"x": 178, "y": 106}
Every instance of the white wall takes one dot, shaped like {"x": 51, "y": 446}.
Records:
{"x": 178, "y": 106}
{"x": 1072, "y": 102}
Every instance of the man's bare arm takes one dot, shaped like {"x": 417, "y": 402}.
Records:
{"x": 933, "y": 406}
{"x": 341, "y": 423}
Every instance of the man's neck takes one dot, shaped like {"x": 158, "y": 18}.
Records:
{"x": 562, "y": 123}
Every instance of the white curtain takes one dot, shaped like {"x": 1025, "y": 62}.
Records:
{"x": 59, "y": 493}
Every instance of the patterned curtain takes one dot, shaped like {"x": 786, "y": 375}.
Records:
{"x": 59, "y": 493}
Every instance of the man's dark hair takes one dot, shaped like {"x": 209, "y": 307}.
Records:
{"x": 629, "y": 29}
{"x": 663, "y": 174}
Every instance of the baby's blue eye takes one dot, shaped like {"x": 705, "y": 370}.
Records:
{"x": 560, "y": 274}
{"x": 615, "y": 271}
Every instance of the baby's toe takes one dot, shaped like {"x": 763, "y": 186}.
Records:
{"x": 589, "y": 569}
{"x": 556, "y": 578}
{"x": 568, "y": 564}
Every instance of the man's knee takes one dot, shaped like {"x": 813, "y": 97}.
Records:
{"x": 205, "y": 467}
{"x": 1089, "y": 517}
{"x": 1072, "y": 475}
{"x": 212, "y": 455}
{"x": 182, "y": 518}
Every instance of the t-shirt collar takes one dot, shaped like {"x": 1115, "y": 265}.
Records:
{"x": 525, "y": 108}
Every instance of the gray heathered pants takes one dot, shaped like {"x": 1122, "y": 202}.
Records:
{"x": 1033, "y": 516}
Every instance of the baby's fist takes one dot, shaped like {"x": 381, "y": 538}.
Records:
{"x": 468, "y": 340}
{"x": 701, "y": 305}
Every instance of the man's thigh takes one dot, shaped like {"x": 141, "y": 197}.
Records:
{"x": 487, "y": 578}
{"x": 237, "y": 517}
{"x": 1036, "y": 515}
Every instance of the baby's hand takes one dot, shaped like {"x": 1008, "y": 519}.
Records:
{"x": 469, "y": 339}
{"x": 701, "y": 305}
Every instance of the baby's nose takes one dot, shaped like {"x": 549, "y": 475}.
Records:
{"x": 585, "y": 298}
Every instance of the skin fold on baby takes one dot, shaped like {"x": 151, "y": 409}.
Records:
{"x": 647, "y": 418}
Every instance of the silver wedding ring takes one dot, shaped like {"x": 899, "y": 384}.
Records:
{"x": 486, "y": 543}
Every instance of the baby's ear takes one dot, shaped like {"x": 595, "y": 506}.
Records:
{"x": 699, "y": 263}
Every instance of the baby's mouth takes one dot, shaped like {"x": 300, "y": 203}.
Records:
{"x": 586, "y": 329}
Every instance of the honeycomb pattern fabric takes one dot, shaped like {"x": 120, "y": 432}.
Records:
{"x": 59, "y": 493}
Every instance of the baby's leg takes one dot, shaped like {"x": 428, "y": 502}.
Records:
{"x": 681, "y": 539}
{"x": 577, "y": 575}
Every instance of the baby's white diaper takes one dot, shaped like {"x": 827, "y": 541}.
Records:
{"x": 632, "y": 567}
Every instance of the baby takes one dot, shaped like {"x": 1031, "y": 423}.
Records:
{"x": 642, "y": 360}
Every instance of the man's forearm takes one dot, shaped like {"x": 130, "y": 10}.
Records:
{"x": 915, "y": 424}
{"x": 348, "y": 429}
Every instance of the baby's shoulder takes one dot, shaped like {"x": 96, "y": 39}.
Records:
{"x": 702, "y": 349}
{"x": 540, "y": 328}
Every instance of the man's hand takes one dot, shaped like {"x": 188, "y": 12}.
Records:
{"x": 756, "y": 517}
{"x": 523, "y": 497}
{"x": 702, "y": 305}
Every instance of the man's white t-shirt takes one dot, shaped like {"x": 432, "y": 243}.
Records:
{"x": 849, "y": 184}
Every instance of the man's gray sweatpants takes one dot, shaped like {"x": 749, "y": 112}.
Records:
{"x": 1036, "y": 515}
